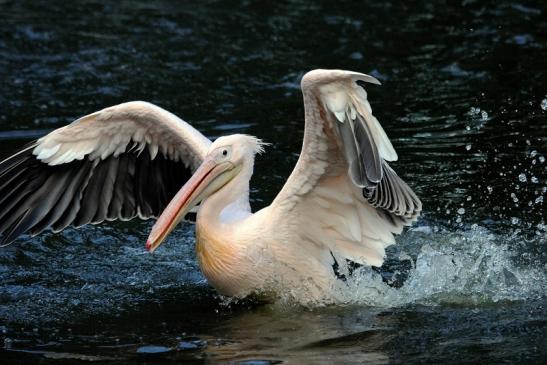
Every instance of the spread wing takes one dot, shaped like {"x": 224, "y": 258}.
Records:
{"x": 346, "y": 199}
{"x": 124, "y": 161}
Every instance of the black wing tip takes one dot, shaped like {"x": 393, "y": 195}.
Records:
{"x": 35, "y": 196}
{"x": 394, "y": 197}
{"x": 5, "y": 242}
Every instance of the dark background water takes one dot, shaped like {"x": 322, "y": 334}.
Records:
{"x": 462, "y": 95}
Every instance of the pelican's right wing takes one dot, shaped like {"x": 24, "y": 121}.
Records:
{"x": 343, "y": 198}
{"x": 123, "y": 161}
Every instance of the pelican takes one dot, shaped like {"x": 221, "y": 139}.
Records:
{"x": 341, "y": 205}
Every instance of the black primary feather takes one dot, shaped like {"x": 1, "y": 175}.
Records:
{"x": 382, "y": 187}
{"x": 35, "y": 196}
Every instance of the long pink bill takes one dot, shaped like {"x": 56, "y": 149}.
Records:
{"x": 188, "y": 196}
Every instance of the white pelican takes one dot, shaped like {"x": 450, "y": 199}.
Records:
{"x": 341, "y": 204}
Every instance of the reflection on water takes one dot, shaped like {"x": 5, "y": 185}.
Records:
{"x": 463, "y": 100}
{"x": 273, "y": 334}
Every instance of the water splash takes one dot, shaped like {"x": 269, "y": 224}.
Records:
{"x": 466, "y": 267}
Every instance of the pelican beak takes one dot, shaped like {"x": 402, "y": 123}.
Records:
{"x": 207, "y": 179}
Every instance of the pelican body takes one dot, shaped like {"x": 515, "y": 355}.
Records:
{"x": 342, "y": 203}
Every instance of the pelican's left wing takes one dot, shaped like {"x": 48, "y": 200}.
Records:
{"x": 345, "y": 198}
{"x": 121, "y": 162}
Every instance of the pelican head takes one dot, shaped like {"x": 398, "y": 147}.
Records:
{"x": 226, "y": 159}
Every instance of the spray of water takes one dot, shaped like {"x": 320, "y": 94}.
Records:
{"x": 464, "y": 267}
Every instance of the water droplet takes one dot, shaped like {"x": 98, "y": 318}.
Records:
{"x": 468, "y": 147}
{"x": 490, "y": 189}
{"x": 539, "y": 199}
{"x": 514, "y": 197}
{"x": 461, "y": 211}
{"x": 533, "y": 153}
{"x": 541, "y": 159}
{"x": 522, "y": 177}
{"x": 544, "y": 104}
{"x": 515, "y": 220}
{"x": 8, "y": 343}
{"x": 467, "y": 128}
{"x": 469, "y": 198}
{"x": 534, "y": 179}
{"x": 474, "y": 111}
{"x": 484, "y": 115}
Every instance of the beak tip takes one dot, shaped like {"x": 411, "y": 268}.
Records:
{"x": 149, "y": 246}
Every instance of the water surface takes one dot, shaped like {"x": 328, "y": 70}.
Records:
{"x": 463, "y": 99}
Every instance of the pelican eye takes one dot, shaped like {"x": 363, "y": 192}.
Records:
{"x": 223, "y": 153}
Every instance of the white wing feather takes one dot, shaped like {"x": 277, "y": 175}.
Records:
{"x": 109, "y": 132}
{"x": 320, "y": 198}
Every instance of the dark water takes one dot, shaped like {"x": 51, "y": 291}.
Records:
{"x": 462, "y": 95}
